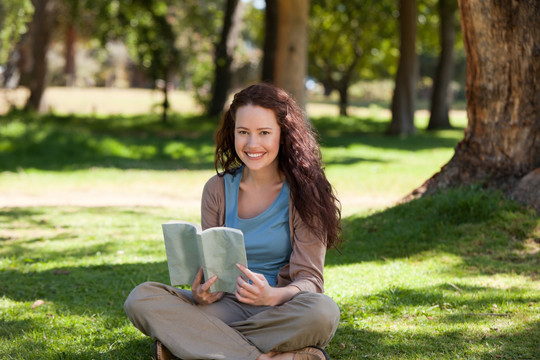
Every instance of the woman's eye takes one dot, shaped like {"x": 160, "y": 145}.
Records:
{"x": 265, "y": 132}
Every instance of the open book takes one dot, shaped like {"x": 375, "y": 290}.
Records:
{"x": 217, "y": 250}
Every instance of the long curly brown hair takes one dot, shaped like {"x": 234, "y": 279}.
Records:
{"x": 299, "y": 158}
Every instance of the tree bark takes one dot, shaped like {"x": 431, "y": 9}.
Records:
{"x": 270, "y": 40}
{"x": 40, "y": 35}
{"x": 224, "y": 56}
{"x": 343, "y": 99}
{"x": 502, "y": 140}
{"x": 440, "y": 101}
{"x": 290, "y": 66}
{"x": 404, "y": 98}
{"x": 71, "y": 39}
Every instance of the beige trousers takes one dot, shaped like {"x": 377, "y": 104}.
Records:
{"x": 229, "y": 329}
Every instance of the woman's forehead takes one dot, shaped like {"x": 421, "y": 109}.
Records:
{"x": 254, "y": 116}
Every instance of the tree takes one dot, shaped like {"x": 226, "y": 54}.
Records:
{"x": 14, "y": 17}
{"x": 501, "y": 147}
{"x": 440, "y": 106}
{"x": 270, "y": 40}
{"x": 224, "y": 56}
{"x": 78, "y": 20}
{"x": 154, "y": 44}
{"x": 404, "y": 98}
{"x": 40, "y": 31}
{"x": 290, "y": 66}
{"x": 344, "y": 39}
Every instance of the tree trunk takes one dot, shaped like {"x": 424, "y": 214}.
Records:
{"x": 291, "y": 52}
{"x": 440, "y": 101}
{"x": 270, "y": 40}
{"x": 224, "y": 56}
{"x": 40, "y": 35}
{"x": 69, "y": 69}
{"x": 166, "y": 104}
{"x": 404, "y": 99}
{"x": 343, "y": 99}
{"x": 502, "y": 140}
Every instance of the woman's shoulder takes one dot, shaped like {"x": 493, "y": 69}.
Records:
{"x": 215, "y": 183}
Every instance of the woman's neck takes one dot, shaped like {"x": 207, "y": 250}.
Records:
{"x": 264, "y": 177}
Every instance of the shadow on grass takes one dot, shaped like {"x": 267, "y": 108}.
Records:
{"x": 81, "y": 290}
{"x": 443, "y": 301}
{"x": 353, "y": 343}
{"x": 80, "y": 301}
{"x": 59, "y": 143}
{"x": 490, "y": 234}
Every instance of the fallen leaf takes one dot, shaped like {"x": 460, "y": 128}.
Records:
{"x": 60, "y": 272}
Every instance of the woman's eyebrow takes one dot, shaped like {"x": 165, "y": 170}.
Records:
{"x": 261, "y": 128}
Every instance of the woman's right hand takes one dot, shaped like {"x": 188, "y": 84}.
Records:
{"x": 200, "y": 290}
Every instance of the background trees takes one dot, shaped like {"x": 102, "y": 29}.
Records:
{"x": 345, "y": 38}
{"x": 14, "y": 14}
{"x": 404, "y": 99}
{"x": 35, "y": 58}
{"x": 290, "y": 59}
{"x": 440, "y": 100}
{"x": 365, "y": 33}
{"x": 178, "y": 45}
{"x": 224, "y": 54}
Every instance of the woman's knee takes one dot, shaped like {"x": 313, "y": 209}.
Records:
{"x": 322, "y": 312}
{"x": 135, "y": 302}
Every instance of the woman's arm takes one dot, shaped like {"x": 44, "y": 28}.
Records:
{"x": 213, "y": 203}
{"x": 306, "y": 264}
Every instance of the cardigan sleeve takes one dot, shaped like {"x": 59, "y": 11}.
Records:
{"x": 213, "y": 203}
{"x": 306, "y": 264}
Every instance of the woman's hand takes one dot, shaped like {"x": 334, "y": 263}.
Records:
{"x": 259, "y": 292}
{"x": 200, "y": 291}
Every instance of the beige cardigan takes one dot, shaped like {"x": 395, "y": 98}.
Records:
{"x": 305, "y": 268}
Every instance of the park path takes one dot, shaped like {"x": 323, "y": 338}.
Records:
{"x": 124, "y": 198}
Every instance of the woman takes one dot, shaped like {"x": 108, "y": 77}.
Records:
{"x": 274, "y": 189}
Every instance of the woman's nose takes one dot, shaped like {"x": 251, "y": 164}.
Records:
{"x": 252, "y": 141}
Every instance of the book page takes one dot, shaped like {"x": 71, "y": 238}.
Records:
{"x": 223, "y": 248}
{"x": 181, "y": 246}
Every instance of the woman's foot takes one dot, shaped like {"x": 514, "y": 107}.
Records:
{"x": 161, "y": 352}
{"x": 307, "y": 353}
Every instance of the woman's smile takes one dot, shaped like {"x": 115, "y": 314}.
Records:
{"x": 255, "y": 155}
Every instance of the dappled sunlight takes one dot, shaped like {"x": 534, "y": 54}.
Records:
{"x": 418, "y": 318}
{"x": 424, "y": 341}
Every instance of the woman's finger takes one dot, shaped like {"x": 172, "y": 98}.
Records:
{"x": 198, "y": 279}
{"x": 208, "y": 283}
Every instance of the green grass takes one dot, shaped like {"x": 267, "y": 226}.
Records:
{"x": 452, "y": 276}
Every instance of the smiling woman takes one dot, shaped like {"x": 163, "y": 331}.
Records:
{"x": 272, "y": 188}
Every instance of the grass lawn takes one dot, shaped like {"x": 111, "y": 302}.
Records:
{"x": 453, "y": 276}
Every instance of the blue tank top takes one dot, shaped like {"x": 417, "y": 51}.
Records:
{"x": 267, "y": 235}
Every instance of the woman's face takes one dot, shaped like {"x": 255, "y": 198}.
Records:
{"x": 257, "y": 137}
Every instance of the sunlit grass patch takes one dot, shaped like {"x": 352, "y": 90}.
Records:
{"x": 439, "y": 277}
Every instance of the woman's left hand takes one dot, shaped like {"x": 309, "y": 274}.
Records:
{"x": 259, "y": 292}
{"x": 256, "y": 292}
